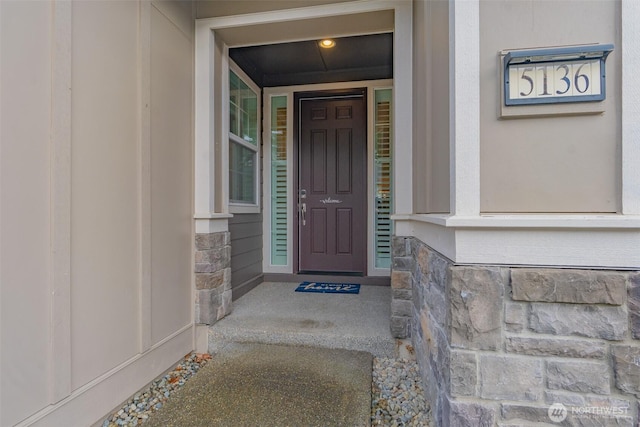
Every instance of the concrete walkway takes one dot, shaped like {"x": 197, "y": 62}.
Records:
{"x": 273, "y": 385}
{"x": 273, "y": 313}
{"x": 284, "y": 358}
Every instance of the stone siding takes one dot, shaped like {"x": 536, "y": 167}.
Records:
{"x": 498, "y": 345}
{"x": 213, "y": 277}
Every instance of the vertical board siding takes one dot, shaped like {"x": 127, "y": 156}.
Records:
{"x": 171, "y": 171}
{"x": 104, "y": 194}
{"x": 96, "y": 133}
{"x": 25, "y": 78}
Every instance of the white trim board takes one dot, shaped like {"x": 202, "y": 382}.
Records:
{"x": 598, "y": 241}
{"x": 464, "y": 107}
{"x": 604, "y": 221}
{"x": 630, "y": 111}
{"x": 212, "y": 223}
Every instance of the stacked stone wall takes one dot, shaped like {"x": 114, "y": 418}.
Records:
{"x": 213, "y": 277}
{"x": 499, "y": 345}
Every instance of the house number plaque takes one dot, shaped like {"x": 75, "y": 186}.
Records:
{"x": 554, "y": 75}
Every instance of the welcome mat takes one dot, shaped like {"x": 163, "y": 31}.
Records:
{"x": 329, "y": 288}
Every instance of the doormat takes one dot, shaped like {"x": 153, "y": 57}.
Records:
{"x": 329, "y": 288}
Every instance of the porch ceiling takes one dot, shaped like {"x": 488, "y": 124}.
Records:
{"x": 365, "y": 57}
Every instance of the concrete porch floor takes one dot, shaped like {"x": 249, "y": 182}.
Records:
{"x": 273, "y": 313}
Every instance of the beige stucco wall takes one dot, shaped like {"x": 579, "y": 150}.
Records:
{"x": 431, "y": 106}
{"x": 554, "y": 164}
{"x": 130, "y": 202}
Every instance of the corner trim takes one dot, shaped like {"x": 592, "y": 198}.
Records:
{"x": 630, "y": 111}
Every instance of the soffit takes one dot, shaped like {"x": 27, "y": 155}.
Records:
{"x": 367, "y": 57}
{"x": 285, "y": 53}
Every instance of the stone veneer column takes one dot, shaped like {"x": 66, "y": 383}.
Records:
{"x": 213, "y": 277}
{"x": 401, "y": 284}
{"x": 497, "y": 346}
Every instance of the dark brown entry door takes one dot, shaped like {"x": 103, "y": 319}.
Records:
{"x": 332, "y": 185}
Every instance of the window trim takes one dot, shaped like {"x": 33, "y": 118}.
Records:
{"x": 236, "y": 207}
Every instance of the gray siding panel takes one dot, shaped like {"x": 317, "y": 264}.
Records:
{"x": 246, "y": 259}
{"x": 246, "y": 248}
{"x": 245, "y": 275}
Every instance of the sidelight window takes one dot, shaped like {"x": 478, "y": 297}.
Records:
{"x": 382, "y": 177}
{"x": 279, "y": 205}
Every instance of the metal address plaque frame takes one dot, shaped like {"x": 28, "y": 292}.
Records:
{"x": 555, "y": 75}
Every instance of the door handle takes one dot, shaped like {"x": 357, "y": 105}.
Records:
{"x": 302, "y": 194}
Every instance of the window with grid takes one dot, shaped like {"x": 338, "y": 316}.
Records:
{"x": 243, "y": 142}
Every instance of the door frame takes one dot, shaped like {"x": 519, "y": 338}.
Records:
{"x": 298, "y": 96}
{"x": 291, "y": 267}
{"x": 214, "y": 37}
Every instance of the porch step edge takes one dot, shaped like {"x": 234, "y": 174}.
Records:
{"x": 377, "y": 346}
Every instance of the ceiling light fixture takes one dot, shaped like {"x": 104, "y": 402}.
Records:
{"x": 327, "y": 43}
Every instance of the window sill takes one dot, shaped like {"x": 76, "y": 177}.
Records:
{"x": 239, "y": 208}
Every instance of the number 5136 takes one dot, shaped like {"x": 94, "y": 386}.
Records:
{"x": 550, "y": 80}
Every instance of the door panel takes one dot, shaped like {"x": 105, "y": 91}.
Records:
{"x": 318, "y": 162}
{"x": 344, "y": 161}
{"x": 318, "y": 228}
{"x": 344, "y": 230}
{"x": 332, "y": 176}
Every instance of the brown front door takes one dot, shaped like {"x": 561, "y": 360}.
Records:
{"x": 332, "y": 184}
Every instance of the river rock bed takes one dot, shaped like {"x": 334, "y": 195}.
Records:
{"x": 397, "y": 396}
{"x": 140, "y": 407}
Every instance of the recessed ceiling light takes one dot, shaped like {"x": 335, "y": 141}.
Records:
{"x": 327, "y": 43}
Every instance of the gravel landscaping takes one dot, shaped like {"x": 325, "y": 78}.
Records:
{"x": 142, "y": 405}
{"x": 396, "y": 394}
{"x": 397, "y": 397}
